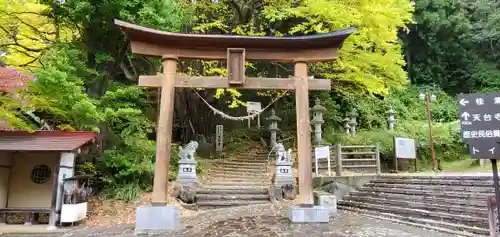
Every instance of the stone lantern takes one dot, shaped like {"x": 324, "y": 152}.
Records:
{"x": 347, "y": 127}
{"x": 273, "y": 127}
{"x": 318, "y": 110}
{"x": 353, "y": 114}
{"x": 390, "y": 118}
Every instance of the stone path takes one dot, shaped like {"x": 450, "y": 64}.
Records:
{"x": 263, "y": 220}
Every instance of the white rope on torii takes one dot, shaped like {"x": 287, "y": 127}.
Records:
{"x": 240, "y": 118}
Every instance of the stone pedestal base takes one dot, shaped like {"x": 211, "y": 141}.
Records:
{"x": 327, "y": 200}
{"x": 185, "y": 192}
{"x": 156, "y": 219}
{"x": 308, "y": 214}
{"x": 287, "y": 192}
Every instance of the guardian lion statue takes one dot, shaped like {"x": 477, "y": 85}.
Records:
{"x": 282, "y": 155}
{"x": 187, "y": 153}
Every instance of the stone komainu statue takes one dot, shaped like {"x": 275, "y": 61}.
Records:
{"x": 282, "y": 155}
{"x": 188, "y": 152}
{"x": 185, "y": 187}
{"x": 283, "y": 183}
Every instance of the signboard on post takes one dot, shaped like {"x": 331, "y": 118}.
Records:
{"x": 480, "y": 124}
{"x": 480, "y": 127}
{"x": 253, "y": 107}
{"x": 322, "y": 152}
{"x": 405, "y": 148}
{"x": 219, "y": 133}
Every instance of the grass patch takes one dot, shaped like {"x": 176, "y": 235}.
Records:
{"x": 125, "y": 192}
{"x": 467, "y": 165}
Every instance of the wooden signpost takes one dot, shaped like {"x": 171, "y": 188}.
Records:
{"x": 479, "y": 125}
{"x": 236, "y": 50}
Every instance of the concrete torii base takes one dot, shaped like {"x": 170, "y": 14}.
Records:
{"x": 308, "y": 213}
{"x": 151, "y": 219}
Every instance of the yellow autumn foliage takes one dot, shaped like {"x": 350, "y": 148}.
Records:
{"x": 25, "y": 32}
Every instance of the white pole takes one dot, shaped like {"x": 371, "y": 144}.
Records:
{"x": 329, "y": 169}
{"x": 258, "y": 121}
{"x": 248, "y": 120}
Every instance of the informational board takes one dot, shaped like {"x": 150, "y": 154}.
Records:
{"x": 219, "y": 135}
{"x": 322, "y": 152}
{"x": 480, "y": 124}
{"x": 404, "y": 148}
{"x": 253, "y": 107}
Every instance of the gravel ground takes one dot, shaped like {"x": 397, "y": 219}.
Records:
{"x": 261, "y": 221}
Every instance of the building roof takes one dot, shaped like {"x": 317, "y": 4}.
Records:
{"x": 182, "y": 40}
{"x": 44, "y": 140}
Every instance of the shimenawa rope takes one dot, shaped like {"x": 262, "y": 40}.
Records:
{"x": 229, "y": 117}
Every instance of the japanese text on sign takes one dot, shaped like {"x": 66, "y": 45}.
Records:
{"x": 480, "y": 124}
{"x": 480, "y": 116}
{"x": 481, "y": 133}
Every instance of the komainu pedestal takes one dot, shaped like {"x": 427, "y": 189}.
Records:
{"x": 185, "y": 187}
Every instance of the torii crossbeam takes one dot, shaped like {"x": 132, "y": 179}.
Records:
{"x": 236, "y": 50}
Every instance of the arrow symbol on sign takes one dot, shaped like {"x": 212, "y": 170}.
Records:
{"x": 463, "y": 102}
{"x": 492, "y": 150}
{"x": 465, "y": 115}
{"x": 474, "y": 150}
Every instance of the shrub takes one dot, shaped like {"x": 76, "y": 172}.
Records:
{"x": 446, "y": 136}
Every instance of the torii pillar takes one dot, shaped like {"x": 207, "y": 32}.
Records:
{"x": 164, "y": 130}
{"x": 236, "y": 50}
{"x": 303, "y": 132}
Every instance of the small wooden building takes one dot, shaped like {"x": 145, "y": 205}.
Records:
{"x": 32, "y": 167}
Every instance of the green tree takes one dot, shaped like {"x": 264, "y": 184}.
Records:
{"x": 370, "y": 60}
{"x": 453, "y": 44}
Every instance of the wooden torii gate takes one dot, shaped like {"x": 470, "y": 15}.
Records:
{"x": 236, "y": 50}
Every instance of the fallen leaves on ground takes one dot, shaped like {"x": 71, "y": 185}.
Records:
{"x": 113, "y": 212}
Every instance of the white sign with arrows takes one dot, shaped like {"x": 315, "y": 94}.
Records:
{"x": 463, "y": 102}
{"x": 465, "y": 116}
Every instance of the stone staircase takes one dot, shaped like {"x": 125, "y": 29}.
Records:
{"x": 242, "y": 180}
{"x": 452, "y": 204}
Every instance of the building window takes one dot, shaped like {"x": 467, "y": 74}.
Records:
{"x": 40, "y": 174}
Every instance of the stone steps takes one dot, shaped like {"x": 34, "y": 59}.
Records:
{"x": 231, "y": 190}
{"x": 426, "y": 199}
{"x": 418, "y": 213}
{"x": 453, "y": 204}
{"x": 240, "y": 169}
{"x": 235, "y": 182}
{"x": 211, "y": 204}
{"x": 435, "y": 187}
{"x": 232, "y": 183}
{"x": 223, "y": 175}
{"x": 473, "y": 183}
{"x": 219, "y": 173}
{"x": 232, "y": 179}
{"x": 468, "y": 195}
{"x": 456, "y": 229}
{"x": 472, "y": 177}
{"x": 240, "y": 164}
{"x": 233, "y": 196}
{"x": 472, "y": 211}
{"x": 247, "y": 161}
